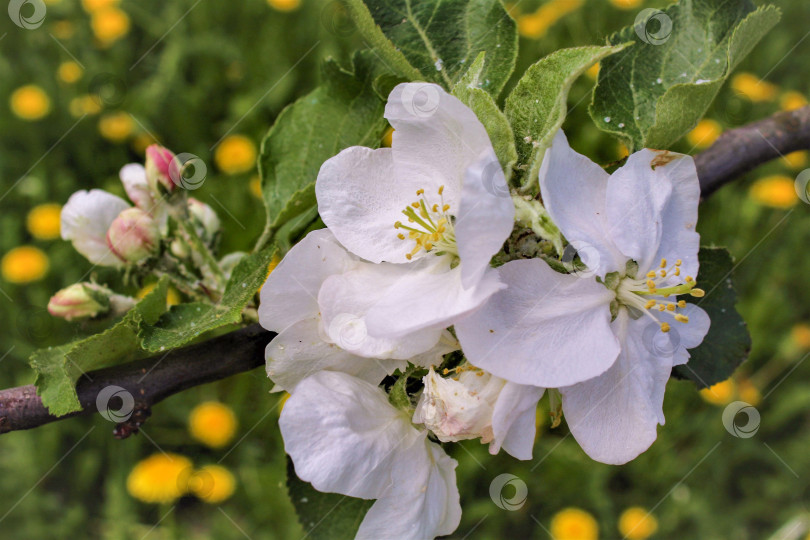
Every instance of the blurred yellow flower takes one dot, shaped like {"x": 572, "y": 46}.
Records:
{"x": 69, "y": 72}
{"x": 116, "y": 126}
{"x": 535, "y": 25}
{"x": 212, "y": 484}
{"x": 109, "y": 25}
{"x": 30, "y": 102}
{"x": 748, "y": 392}
{"x": 777, "y": 191}
{"x": 705, "y": 133}
{"x": 593, "y": 71}
{"x": 91, "y": 6}
{"x": 172, "y": 297}
{"x": 574, "y": 524}
{"x": 79, "y": 106}
{"x": 754, "y": 88}
{"x": 635, "y": 523}
{"x": 388, "y": 137}
{"x": 796, "y": 160}
{"x": 235, "y": 154}
{"x": 273, "y": 263}
{"x": 24, "y": 264}
{"x": 43, "y": 221}
{"x": 284, "y": 5}
{"x": 622, "y": 150}
{"x": 141, "y": 141}
{"x": 800, "y": 334}
{"x": 721, "y": 393}
{"x": 626, "y": 4}
{"x": 212, "y": 423}
{"x": 160, "y": 478}
{"x": 256, "y": 187}
{"x": 63, "y": 30}
{"x": 792, "y": 100}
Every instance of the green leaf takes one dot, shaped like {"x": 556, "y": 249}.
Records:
{"x": 185, "y": 322}
{"x": 344, "y": 111}
{"x": 728, "y": 343}
{"x": 468, "y": 91}
{"x": 59, "y": 368}
{"x": 436, "y": 40}
{"x": 537, "y": 106}
{"x": 325, "y": 516}
{"x": 653, "y": 93}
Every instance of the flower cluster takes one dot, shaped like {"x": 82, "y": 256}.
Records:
{"x": 410, "y": 321}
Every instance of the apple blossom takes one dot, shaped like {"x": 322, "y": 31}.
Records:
{"x": 85, "y": 219}
{"x": 158, "y": 168}
{"x": 133, "y": 236}
{"x": 86, "y": 300}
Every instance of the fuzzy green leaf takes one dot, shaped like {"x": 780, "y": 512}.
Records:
{"x": 537, "y": 106}
{"x": 728, "y": 343}
{"x": 653, "y": 93}
{"x": 436, "y": 40}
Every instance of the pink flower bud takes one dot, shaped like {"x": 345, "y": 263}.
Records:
{"x": 79, "y": 301}
{"x": 158, "y": 165}
{"x": 133, "y": 236}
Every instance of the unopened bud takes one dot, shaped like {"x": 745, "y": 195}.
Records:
{"x": 179, "y": 248}
{"x": 204, "y": 218}
{"x": 80, "y": 301}
{"x": 158, "y": 164}
{"x": 133, "y": 236}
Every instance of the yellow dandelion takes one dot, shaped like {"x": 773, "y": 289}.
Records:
{"x": 284, "y": 5}
{"x": 535, "y": 25}
{"x": 388, "y": 137}
{"x": 69, "y": 72}
{"x": 705, "y": 133}
{"x": 24, "y": 264}
{"x": 172, "y": 296}
{"x": 777, "y": 191}
{"x": 796, "y": 160}
{"x": 109, "y": 25}
{"x": 800, "y": 334}
{"x": 43, "y": 221}
{"x": 82, "y": 105}
{"x": 91, "y": 6}
{"x": 626, "y": 4}
{"x": 63, "y": 30}
{"x": 721, "y": 393}
{"x": 256, "y": 187}
{"x": 754, "y": 88}
{"x": 160, "y": 478}
{"x": 792, "y": 100}
{"x": 574, "y": 524}
{"x": 748, "y": 392}
{"x": 212, "y": 484}
{"x": 116, "y": 127}
{"x": 30, "y": 102}
{"x": 593, "y": 71}
{"x": 212, "y": 423}
{"x": 637, "y": 524}
{"x": 235, "y": 154}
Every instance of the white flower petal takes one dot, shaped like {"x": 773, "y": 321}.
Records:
{"x": 688, "y": 335}
{"x": 434, "y": 357}
{"x": 360, "y": 199}
{"x": 574, "y": 192}
{"x": 436, "y": 138}
{"x": 514, "y": 420}
{"x": 85, "y": 219}
{"x": 299, "y": 351}
{"x": 290, "y": 293}
{"x": 485, "y": 219}
{"x": 343, "y": 436}
{"x": 423, "y": 501}
{"x": 133, "y": 177}
{"x": 345, "y": 301}
{"x": 614, "y": 416}
{"x": 545, "y": 329}
{"x": 428, "y": 297}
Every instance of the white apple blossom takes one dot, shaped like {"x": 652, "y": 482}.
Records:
{"x": 597, "y": 335}
{"x": 477, "y": 404}
{"x": 345, "y": 437}
{"x": 436, "y": 203}
{"x": 86, "y": 217}
{"x": 317, "y": 300}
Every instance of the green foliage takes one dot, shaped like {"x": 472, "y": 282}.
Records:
{"x": 58, "y": 368}
{"x": 654, "y": 92}
{"x": 537, "y": 106}
{"x": 728, "y": 343}
{"x": 434, "y": 40}
{"x": 186, "y": 322}
{"x": 325, "y": 516}
{"x": 344, "y": 111}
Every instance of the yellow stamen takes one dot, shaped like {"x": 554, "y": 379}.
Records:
{"x": 401, "y": 236}
{"x": 665, "y": 327}
{"x": 663, "y": 263}
{"x": 445, "y": 208}
{"x": 681, "y": 318}
{"x": 681, "y": 304}
{"x": 689, "y": 279}
{"x": 663, "y": 273}
{"x": 650, "y": 304}
{"x": 441, "y": 189}
{"x": 415, "y": 204}
{"x": 678, "y": 262}
{"x": 650, "y": 284}
{"x": 677, "y": 271}
{"x": 670, "y": 307}
{"x": 661, "y": 307}
{"x": 420, "y": 192}
{"x": 651, "y": 274}
{"x": 435, "y": 208}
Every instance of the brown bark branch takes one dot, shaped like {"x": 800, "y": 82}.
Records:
{"x": 151, "y": 380}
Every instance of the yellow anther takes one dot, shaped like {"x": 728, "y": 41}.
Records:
{"x": 661, "y": 307}
{"x": 698, "y": 293}
{"x": 428, "y": 246}
{"x": 415, "y": 204}
{"x": 441, "y": 189}
{"x": 677, "y": 271}
{"x": 420, "y": 192}
{"x": 650, "y": 304}
{"x": 445, "y": 208}
{"x": 681, "y": 318}
{"x": 408, "y": 256}
{"x": 650, "y": 284}
{"x": 651, "y": 274}
{"x": 401, "y": 236}
{"x": 435, "y": 208}
{"x": 664, "y": 327}
{"x": 681, "y": 304}
{"x": 663, "y": 273}
{"x": 410, "y": 220}
{"x": 670, "y": 307}
{"x": 678, "y": 262}
{"x": 663, "y": 263}
{"x": 689, "y": 279}
{"x": 398, "y": 224}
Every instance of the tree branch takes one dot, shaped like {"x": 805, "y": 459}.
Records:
{"x": 153, "y": 379}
